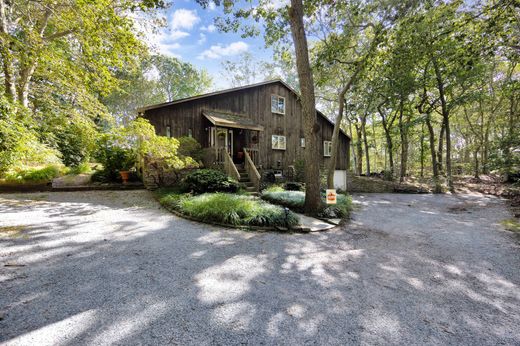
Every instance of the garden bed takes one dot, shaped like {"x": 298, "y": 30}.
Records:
{"x": 229, "y": 210}
{"x": 295, "y": 200}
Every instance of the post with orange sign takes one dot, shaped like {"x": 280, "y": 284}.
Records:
{"x": 331, "y": 196}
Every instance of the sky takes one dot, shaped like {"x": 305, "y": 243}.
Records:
{"x": 192, "y": 37}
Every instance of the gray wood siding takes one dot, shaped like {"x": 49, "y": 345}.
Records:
{"x": 254, "y": 103}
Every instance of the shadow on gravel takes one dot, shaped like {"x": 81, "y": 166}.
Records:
{"x": 431, "y": 278}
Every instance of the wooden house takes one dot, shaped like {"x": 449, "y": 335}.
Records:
{"x": 253, "y": 128}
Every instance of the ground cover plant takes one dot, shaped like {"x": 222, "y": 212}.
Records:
{"x": 225, "y": 208}
{"x": 295, "y": 201}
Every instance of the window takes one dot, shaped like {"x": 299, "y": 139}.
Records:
{"x": 327, "y": 148}
{"x": 277, "y": 104}
{"x": 190, "y": 133}
{"x": 168, "y": 131}
{"x": 302, "y": 142}
{"x": 278, "y": 142}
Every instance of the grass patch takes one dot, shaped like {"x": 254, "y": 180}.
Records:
{"x": 44, "y": 174}
{"x": 11, "y": 231}
{"x": 230, "y": 209}
{"x": 511, "y": 225}
{"x": 295, "y": 200}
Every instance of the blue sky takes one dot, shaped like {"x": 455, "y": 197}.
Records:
{"x": 192, "y": 37}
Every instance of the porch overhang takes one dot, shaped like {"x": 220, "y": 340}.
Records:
{"x": 223, "y": 119}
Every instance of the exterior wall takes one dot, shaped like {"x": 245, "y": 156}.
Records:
{"x": 340, "y": 179}
{"x": 255, "y": 103}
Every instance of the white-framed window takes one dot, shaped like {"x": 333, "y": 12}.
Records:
{"x": 168, "y": 131}
{"x": 278, "y": 142}
{"x": 277, "y": 104}
{"x": 327, "y": 148}
{"x": 302, "y": 142}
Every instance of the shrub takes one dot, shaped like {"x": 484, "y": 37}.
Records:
{"x": 114, "y": 156}
{"x": 19, "y": 143}
{"x": 209, "y": 180}
{"x": 295, "y": 201}
{"x": 273, "y": 188}
{"x": 34, "y": 174}
{"x": 189, "y": 147}
{"x": 76, "y": 141}
{"x": 82, "y": 168}
{"x": 233, "y": 210}
{"x": 293, "y": 186}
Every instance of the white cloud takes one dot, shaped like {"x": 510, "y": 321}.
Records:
{"x": 218, "y": 51}
{"x": 209, "y": 28}
{"x": 177, "y": 35}
{"x": 184, "y": 19}
{"x": 202, "y": 38}
{"x": 212, "y": 6}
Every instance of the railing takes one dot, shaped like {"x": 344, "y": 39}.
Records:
{"x": 251, "y": 170}
{"x": 254, "y": 154}
{"x": 229, "y": 166}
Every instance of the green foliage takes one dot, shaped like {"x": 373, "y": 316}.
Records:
{"x": 233, "y": 210}
{"x": 115, "y": 156}
{"x": 189, "y": 147}
{"x": 19, "y": 143}
{"x": 123, "y": 147}
{"x": 209, "y": 180}
{"x": 77, "y": 141}
{"x": 295, "y": 200}
{"x": 34, "y": 174}
{"x": 82, "y": 168}
{"x": 273, "y": 188}
{"x": 293, "y": 186}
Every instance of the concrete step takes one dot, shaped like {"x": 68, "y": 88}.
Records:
{"x": 244, "y": 180}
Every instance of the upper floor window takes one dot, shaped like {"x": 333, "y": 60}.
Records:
{"x": 277, "y": 104}
{"x": 168, "y": 131}
{"x": 327, "y": 148}
{"x": 302, "y": 142}
{"x": 278, "y": 142}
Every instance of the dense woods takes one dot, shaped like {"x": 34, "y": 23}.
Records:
{"x": 426, "y": 89}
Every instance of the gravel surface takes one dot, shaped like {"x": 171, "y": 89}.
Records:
{"x": 104, "y": 268}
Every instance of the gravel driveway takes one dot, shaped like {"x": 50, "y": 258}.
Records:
{"x": 103, "y": 268}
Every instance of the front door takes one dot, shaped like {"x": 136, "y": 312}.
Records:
{"x": 224, "y": 139}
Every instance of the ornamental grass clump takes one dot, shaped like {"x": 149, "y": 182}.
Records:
{"x": 235, "y": 210}
{"x": 295, "y": 200}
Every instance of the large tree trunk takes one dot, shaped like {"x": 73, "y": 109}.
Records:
{"x": 421, "y": 139}
{"x": 441, "y": 146}
{"x": 446, "y": 121}
{"x": 359, "y": 149}
{"x": 5, "y": 53}
{"x": 335, "y": 140}
{"x": 312, "y": 173}
{"x": 435, "y": 168}
{"x": 403, "y": 131}
{"x": 365, "y": 143}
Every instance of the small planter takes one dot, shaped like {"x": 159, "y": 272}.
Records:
{"x": 124, "y": 176}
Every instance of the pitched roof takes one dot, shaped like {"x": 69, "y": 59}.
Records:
{"x": 225, "y": 119}
{"x": 225, "y": 91}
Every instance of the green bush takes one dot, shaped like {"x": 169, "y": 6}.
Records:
{"x": 34, "y": 174}
{"x": 295, "y": 201}
{"x": 273, "y": 188}
{"x": 19, "y": 143}
{"x": 232, "y": 209}
{"x": 82, "y": 168}
{"x": 76, "y": 141}
{"x": 114, "y": 156}
{"x": 209, "y": 180}
{"x": 189, "y": 147}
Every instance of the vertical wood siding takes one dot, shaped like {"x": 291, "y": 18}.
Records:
{"x": 254, "y": 103}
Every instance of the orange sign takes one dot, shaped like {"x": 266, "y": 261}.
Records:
{"x": 331, "y": 196}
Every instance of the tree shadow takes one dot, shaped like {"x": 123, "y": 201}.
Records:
{"x": 147, "y": 277}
